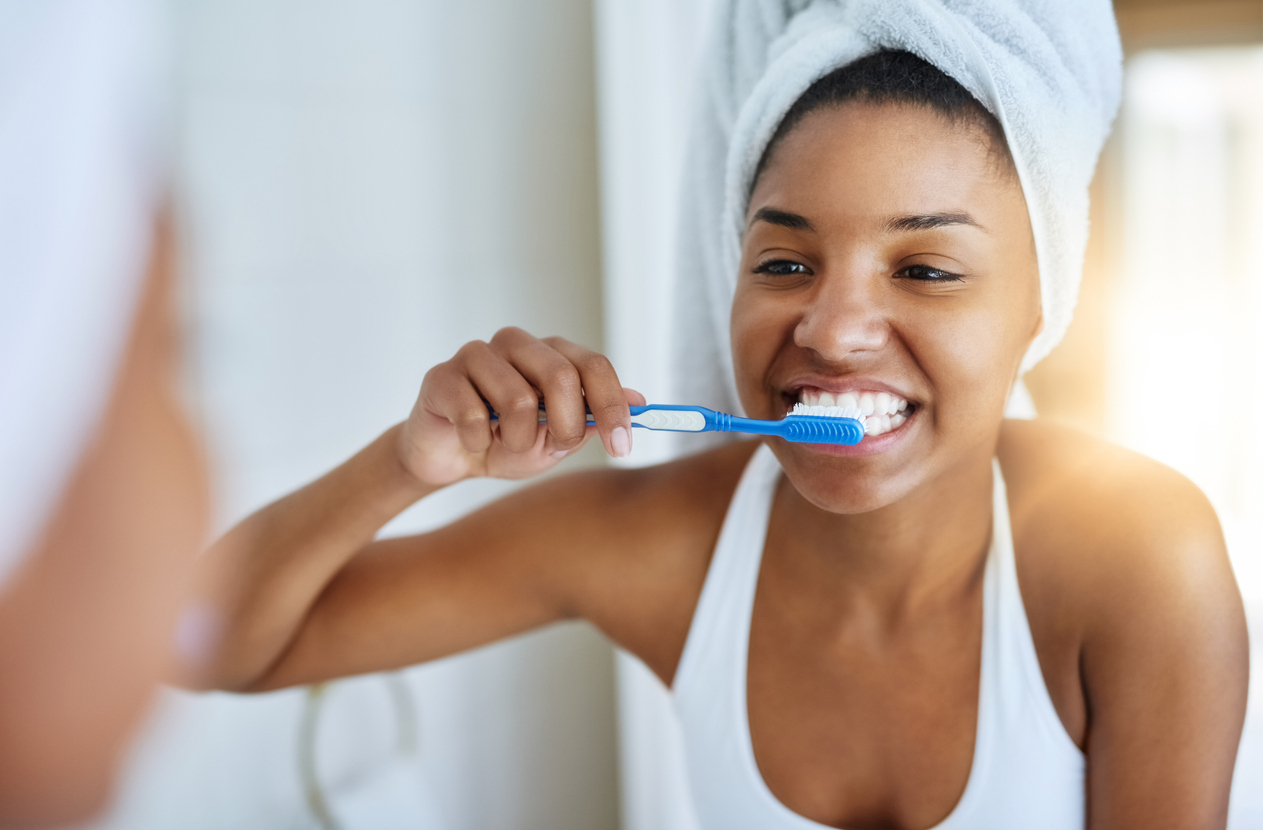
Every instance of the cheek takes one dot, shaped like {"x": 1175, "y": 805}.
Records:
{"x": 759, "y": 325}
{"x": 972, "y": 353}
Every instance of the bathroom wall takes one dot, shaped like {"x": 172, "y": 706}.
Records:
{"x": 361, "y": 187}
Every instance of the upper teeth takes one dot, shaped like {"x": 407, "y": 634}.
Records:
{"x": 882, "y": 410}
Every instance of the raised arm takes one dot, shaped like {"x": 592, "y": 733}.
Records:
{"x": 284, "y": 571}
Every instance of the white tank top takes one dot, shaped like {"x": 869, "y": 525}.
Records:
{"x": 1026, "y": 771}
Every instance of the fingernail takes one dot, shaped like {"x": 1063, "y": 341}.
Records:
{"x": 561, "y": 453}
{"x": 620, "y": 441}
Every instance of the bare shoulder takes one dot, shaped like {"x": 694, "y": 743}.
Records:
{"x": 1137, "y": 622}
{"x": 1120, "y": 559}
{"x": 1094, "y": 510}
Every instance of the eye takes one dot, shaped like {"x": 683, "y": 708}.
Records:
{"x": 924, "y": 273}
{"x": 782, "y": 268}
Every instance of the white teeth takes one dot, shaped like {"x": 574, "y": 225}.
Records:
{"x": 882, "y": 411}
{"x": 875, "y": 425}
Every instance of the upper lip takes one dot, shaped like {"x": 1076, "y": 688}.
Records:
{"x": 848, "y": 384}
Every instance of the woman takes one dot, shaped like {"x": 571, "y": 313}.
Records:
{"x": 964, "y": 621}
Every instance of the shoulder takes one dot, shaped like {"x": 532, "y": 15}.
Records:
{"x": 1119, "y": 550}
{"x": 1137, "y": 621}
{"x": 1093, "y": 508}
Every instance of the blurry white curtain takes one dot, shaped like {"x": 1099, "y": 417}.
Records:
{"x": 647, "y": 59}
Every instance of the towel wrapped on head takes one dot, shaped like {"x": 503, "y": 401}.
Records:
{"x": 1050, "y": 72}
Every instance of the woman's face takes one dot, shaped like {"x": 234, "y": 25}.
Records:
{"x": 887, "y": 253}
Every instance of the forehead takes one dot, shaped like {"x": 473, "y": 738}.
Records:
{"x": 864, "y": 161}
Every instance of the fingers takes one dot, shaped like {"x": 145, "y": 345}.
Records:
{"x": 448, "y": 394}
{"x": 512, "y": 373}
{"x": 509, "y": 393}
{"x": 603, "y": 393}
{"x": 556, "y": 378}
{"x": 456, "y": 390}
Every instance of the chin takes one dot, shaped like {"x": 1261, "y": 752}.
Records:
{"x": 842, "y": 485}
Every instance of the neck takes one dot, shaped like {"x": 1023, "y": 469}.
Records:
{"x": 928, "y": 547}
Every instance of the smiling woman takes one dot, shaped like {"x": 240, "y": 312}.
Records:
{"x": 962, "y": 621}
{"x": 925, "y": 286}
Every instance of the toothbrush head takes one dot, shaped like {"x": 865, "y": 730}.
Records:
{"x": 823, "y": 424}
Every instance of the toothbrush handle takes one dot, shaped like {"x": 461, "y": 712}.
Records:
{"x": 661, "y": 418}
{"x": 674, "y": 418}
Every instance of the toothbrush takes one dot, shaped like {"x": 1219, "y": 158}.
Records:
{"x": 802, "y": 424}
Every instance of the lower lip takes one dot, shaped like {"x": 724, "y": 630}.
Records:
{"x": 870, "y": 445}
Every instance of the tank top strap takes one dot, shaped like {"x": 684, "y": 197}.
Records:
{"x": 1019, "y": 679}
{"x": 727, "y": 597}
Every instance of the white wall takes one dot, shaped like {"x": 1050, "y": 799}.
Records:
{"x": 364, "y": 186}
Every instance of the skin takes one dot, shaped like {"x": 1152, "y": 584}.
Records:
{"x": 865, "y": 638}
{"x": 86, "y": 622}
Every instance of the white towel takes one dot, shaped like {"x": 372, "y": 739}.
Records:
{"x": 79, "y": 109}
{"x": 1049, "y": 70}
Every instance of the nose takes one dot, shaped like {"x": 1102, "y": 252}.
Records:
{"x": 844, "y": 316}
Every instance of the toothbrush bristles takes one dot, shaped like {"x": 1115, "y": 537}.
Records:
{"x": 827, "y": 411}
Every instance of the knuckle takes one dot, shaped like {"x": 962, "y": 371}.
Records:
{"x": 613, "y": 408}
{"x": 508, "y": 334}
{"x": 522, "y": 403}
{"x": 597, "y": 363}
{"x": 471, "y": 348}
{"x": 472, "y": 417}
{"x": 435, "y": 374}
{"x": 565, "y": 378}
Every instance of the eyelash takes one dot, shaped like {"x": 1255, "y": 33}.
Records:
{"x": 771, "y": 266}
{"x": 925, "y": 270}
{"x": 920, "y": 273}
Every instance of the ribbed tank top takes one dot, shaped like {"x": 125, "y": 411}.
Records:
{"x": 1026, "y": 771}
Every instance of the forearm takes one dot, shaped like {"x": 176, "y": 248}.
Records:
{"x": 258, "y": 583}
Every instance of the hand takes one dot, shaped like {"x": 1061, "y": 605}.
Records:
{"x": 450, "y": 435}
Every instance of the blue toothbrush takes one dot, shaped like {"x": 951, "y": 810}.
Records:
{"x": 803, "y": 424}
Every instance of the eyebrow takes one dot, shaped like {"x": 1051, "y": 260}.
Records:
{"x": 784, "y": 218}
{"x": 929, "y": 221}
{"x": 897, "y": 224}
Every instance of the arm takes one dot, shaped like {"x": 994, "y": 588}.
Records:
{"x": 1165, "y": 667}
{"x": 86, "y": 621}
{"x": 292, "y": 575}
{"x": 1138, "y": 623}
